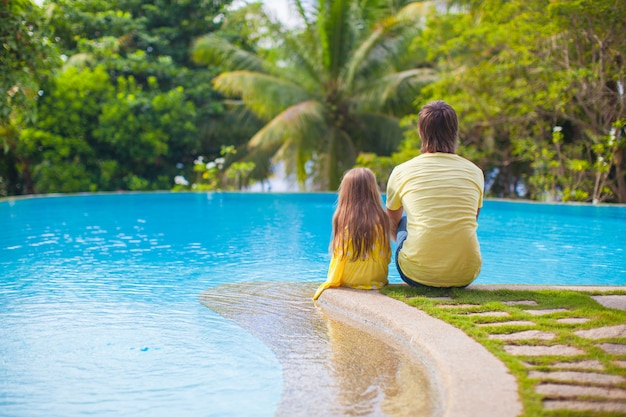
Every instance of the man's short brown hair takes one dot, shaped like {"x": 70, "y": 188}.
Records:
{"x": 438, "y": 127}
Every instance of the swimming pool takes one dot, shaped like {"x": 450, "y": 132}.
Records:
{"x": 99, "y": 304}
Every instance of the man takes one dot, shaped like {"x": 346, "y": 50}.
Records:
{"x": 441, "y": 194}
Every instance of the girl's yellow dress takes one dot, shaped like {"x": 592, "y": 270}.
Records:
{"x": 365, "y": 273}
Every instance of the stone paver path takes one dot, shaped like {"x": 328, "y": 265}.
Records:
{"x": 574, "y": 391}
{"x": 520, "y": 302}
{"x": 540, "y": 350}
{"x": 544, "y": 312}
{"x": 591, "y": 364}
{"x": 591, "y": 406}
{"x": 617, "y": 302}
{"x": 490, "y": 314}
{"x": 613, "y": 348}
{"x": 525, "y": 335}
{"x": 508, "y": 323}
{"x": 603, "y": 332}
{"x": 583, "y": 377}
{"x": 458, "y": 305}
{"x": 573, "y": 320}
{"x": 570, "y": 384}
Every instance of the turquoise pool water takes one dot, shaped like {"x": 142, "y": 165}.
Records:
{"x": 99, "y": 310}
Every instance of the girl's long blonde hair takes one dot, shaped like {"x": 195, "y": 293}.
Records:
{"x": 359, "y": 216}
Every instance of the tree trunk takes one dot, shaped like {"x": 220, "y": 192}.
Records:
{"x": 619, "y": 176}
{"x": 29, "y": 186}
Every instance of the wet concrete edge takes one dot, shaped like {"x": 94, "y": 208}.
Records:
{"x": 470, "y": 380}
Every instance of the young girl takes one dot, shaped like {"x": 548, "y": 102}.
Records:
{"x": 360, "y": 243}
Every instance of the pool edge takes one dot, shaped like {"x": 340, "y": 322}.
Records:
{"x": 469, "y": 379}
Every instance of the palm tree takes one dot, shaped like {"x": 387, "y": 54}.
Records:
{"x": 343, "y": 80}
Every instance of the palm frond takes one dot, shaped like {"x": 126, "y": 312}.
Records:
{"x": 294, "y": 159}
{"x": 293, "y": 135}
{"x": 302, "y": 12}
{"x": 375, "y": 132}
{"x": 211, "y": 49}
{"x": 363, "y": 51}
{"x": 417, "y": 11}
{"x": 330, "y": 161}
{"x": 303, "y": 123}
{"x": 384, "y": 50}
{"x": 342, "y": 155}
{"x": 334, "y": 23}
{"x": 303, "y": 55}
{"x": 265, "y": 95}
{"x": 394, "y": 91}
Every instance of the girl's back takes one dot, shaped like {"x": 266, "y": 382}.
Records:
{"x": 360, "y": 243}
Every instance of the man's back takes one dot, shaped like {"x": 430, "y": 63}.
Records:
{"x": 441, "y": 194}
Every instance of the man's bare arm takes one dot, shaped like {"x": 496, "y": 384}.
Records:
{"x": 394, "y": 219}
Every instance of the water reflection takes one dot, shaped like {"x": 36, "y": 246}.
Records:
{"x": 330, "y": 368}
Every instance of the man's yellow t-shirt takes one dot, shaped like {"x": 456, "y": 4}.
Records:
{"x": 366, "y": 274}
{"x": 441, "y": 194}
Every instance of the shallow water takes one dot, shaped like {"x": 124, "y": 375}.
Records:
{"x": 330, "y": 367}
{"x": 100, "y": 311}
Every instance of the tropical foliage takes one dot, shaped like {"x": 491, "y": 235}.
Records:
{"x": 133, "y": 94}
{"x": 539, "y": 86}
{"x": 124, "y": 110}
{"x": 335, "y": 86}
{"x": 28, "y": 55}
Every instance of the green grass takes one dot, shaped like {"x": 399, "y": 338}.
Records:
{"x": 578, "y": 305}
